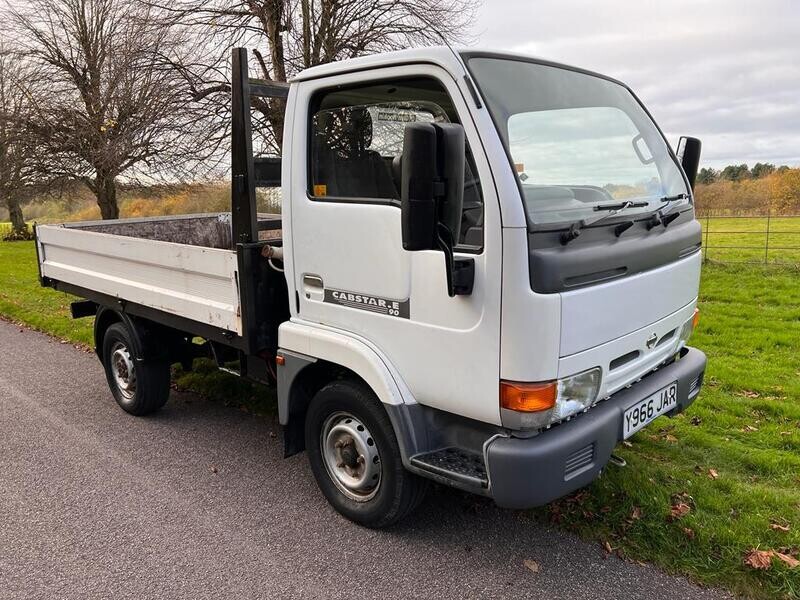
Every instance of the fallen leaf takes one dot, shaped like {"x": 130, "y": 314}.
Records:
{"x": 607, "y": 547}
{"x": 636, "y": 513}
{"x": 713, "y": 473}
{"x": 790, "y": 561}
{"x": 778, "y": 527}
{"x": 750, "y": 428}
{"x": 679, "y": 510}
{"x": 531, "y": 565}
{"x": 758, "y": 559}
{"x": 786, "y": 433}
{"x": 214, "y": 469}
{"x": 671, "y": 438}
{"x": 749, "y": 394}
{"x": 689, "y": 532}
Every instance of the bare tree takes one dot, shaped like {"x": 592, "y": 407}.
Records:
{"x": 288, "y": 36}
{"x": 19, "y": 154}
{"x": 114, "y": 105}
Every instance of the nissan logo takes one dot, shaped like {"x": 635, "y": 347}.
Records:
{"x": 651, "y": 341}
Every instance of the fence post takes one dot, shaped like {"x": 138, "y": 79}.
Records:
{"x": 705, "y": 246}
{"x": 766, "y": 243}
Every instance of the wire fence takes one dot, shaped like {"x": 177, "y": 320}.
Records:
{"x": 749, "y": 239}
{"x": 754, "y": 239}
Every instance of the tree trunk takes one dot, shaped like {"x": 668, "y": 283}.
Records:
{"x": 18, "y": 225}
{"x": 105, "y": 190}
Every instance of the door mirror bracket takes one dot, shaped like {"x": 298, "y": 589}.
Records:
{"x": 460, "y": 272}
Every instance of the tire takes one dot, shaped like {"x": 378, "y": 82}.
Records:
{"x": 355, "y": 456}
{"x": 140, "y": 388}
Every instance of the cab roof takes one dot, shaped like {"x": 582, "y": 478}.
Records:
{"x": 452, "y": 60}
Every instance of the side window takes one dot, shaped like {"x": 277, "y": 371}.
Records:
{"x": 356, "y": 144}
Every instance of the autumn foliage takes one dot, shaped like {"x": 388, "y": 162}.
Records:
{"x": 777, "y": 193}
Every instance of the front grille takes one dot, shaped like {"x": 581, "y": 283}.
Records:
{"x": 666, "y": 337}
{"x": 623, "y": 360}
{"x": 578, "y": 461}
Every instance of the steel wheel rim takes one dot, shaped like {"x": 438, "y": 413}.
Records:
{"x": 351, "y": 456}
{"x": 123, "y": 371}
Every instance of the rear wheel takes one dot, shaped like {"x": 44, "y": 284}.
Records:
{"x": 355, "y": 456}
{"x": 139, "y": 387}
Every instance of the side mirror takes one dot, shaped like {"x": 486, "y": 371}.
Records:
{"x": 431, "y": 183}
{"x": 432, "y": 196}
{"x": 418, "y": 172}
{"x": 450, "y": 150}
{"x": 689, "y": 157}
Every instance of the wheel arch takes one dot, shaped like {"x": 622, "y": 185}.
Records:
{"x": 147, "y": 338}
{"x": 314, "y": 356}
{"x": 105, "y": 318}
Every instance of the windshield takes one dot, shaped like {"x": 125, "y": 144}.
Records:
{"x": 576, "y": 140}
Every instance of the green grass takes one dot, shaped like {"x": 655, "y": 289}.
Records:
{"x": 745, "y": 426}
{"x": 744, "y": 239}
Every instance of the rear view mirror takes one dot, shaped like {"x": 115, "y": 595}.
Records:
{"x": 418, "y": 172}
{"x": 450, "y": 158}
{"x": 689, "y": 157}
{"x": 432, "y": 196}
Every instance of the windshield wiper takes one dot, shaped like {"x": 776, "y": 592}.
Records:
{"x": 665, "y": 218}
{"x": 613, "y": 210}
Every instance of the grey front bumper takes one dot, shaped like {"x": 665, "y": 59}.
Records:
{"x": 528, "y": 472}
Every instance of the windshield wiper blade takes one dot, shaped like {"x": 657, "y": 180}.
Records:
{"x": 619, "y": 206}
{"x": 613, "y": 210}
{"x": 665, "y": 218}
{"x": 681, "y": 196}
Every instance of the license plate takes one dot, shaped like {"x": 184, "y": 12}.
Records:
{"x": 645, "y": 411}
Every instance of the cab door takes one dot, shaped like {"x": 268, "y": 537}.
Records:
{"x": 349, "y": 267}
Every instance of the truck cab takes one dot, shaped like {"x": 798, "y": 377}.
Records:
{"x": 486, "y": 275}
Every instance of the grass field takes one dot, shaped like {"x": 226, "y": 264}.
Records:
{"x": 700, "y": 492}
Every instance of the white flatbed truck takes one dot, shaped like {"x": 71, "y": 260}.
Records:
{"x": 485, "y": 274}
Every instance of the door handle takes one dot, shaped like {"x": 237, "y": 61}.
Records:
{"x": 313, "y": 281}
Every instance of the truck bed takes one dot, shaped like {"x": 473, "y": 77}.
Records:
{"x": 182, "y": 265}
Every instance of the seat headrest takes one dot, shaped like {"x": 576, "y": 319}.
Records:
{"x": 347, "y": 131}
{"x": 397, "y": 169}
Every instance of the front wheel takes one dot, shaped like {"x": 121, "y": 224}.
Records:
{"x": 139, "y": 387}
{"x": 355, "y": 456}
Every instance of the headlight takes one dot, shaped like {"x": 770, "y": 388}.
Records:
{"x": 688, "y": 329}
{"x": 535, "y": 405}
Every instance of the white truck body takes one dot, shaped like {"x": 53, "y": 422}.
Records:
{"x": 355, "y": 299}
{"x": 196, "y": 282}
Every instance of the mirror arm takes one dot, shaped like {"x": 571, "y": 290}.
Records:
{"x": 460, "y": 272}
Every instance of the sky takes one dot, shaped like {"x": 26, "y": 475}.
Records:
{"x": 726, "y": 71}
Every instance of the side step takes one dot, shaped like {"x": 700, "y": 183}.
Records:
{"x": 455, "y": 464}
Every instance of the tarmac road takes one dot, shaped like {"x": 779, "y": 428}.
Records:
{"x": 95, "y": 503}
